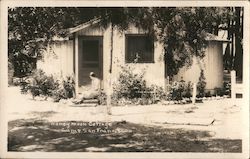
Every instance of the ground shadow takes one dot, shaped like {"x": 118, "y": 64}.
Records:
{"x": 71, "y": 136}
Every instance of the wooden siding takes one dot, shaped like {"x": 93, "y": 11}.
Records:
{"x": 212, "y": 64}
{"x": 58, "y": 59}
{"x": 154, "y": 72}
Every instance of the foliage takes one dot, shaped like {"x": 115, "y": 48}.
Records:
{"x": 30, "y": 29}
{"x": 129, "y": 84}
{"x": 180, "y": 90}
{"x": 219, "y": 91}
{"x": 41, "y": 84}
{"x": 10, "y": 73}
{"x": 65, "y": 90}
{"x": 176, "y": 90}
{"x": 102, "y": 98}
{"x": 131, "y": 88}
{"x": 227, "y": 88}
{"x": 181, "y": 29}
{"x": 187, "y": 93}
{"x": 208, "y": 94}
{"x": 201, "y": 85}
{"x": 159, "y": 93}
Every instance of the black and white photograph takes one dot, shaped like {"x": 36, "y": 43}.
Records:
{"x": 153, "y": 79}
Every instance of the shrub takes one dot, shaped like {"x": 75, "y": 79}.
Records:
{"x": 187, "y": 93}
{"x": 69, "y": 87}
{"x": 159, "y": 92}
{"x": 218, "y": 91}
{"x": 65, "y": 90}
{"x": 10, "y": 73}
{"x": 129, "y": 84}
{"x": 208, "y": 94}
{"x": 131, "y": 89}
{"x": 176, "y": 91}
{"x": 102, "y": 98}
{"x": 49, "y": 86}
{"x": 180, "y": 90}
{"x": 43, "y": 84}
{"x": 201, "y": 85}
{"x": 24, "y": 86}
{"x": 227, "y": 88}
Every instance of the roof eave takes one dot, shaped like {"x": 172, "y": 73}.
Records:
{"x": 83, "y": 26}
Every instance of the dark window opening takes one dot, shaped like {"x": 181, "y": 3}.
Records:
{"x": 139, "y": 49}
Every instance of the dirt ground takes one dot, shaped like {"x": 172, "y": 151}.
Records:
{"x": 37, "y": 125}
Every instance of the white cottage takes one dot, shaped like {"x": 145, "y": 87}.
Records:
{"x": 88, "y": 48}
{"x": 212, "y": 64}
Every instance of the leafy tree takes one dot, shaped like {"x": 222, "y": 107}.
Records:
{"x": 183, "y": 30}
{"x": 30, "y": 29}
{"x": 233, "y": 57}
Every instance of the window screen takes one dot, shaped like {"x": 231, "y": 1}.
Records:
{"x": 90, "y": 50}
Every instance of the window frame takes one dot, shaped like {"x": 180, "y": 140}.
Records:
{"x": 152, "y": 60}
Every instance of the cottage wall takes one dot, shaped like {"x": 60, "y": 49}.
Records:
{"x": 154, "y": 72}
{"x": 58, "y": 59}
{"x": 212, "y": 64}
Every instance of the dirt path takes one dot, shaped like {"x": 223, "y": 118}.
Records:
{"x": 214, "y": 124}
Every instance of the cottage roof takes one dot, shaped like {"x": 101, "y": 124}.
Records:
{"x": 84, "y": 25}
{"x": 210, "y": 37}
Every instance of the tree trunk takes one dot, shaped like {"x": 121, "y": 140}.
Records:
{"x": 110, "y": 74}
{"x": 227, "y": 58}
{"x": 238, "y": 61}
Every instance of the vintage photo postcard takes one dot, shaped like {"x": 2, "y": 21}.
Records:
{"x": 124, "y": 79}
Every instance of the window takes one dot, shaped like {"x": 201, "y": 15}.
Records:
{"x": 139, "y": 49}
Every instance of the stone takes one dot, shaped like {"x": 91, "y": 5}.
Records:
{"x": 30, "y": 137}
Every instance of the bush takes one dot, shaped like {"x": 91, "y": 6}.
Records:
{"x": 49, "y": 86}
{"x": 208, "y": 94}
{"x": 227, "y": 88}
{"x": 188, "y": 90}
{"x": 159, "y": 92}
{"x": 201, "y": 85}
{"x": 176, "y": 91}
{"x": 180, "y": 90}
{"x": 65, "y": 90}
{"x": 43, "y": 84}
{"x": 102, "y": 98}
{"x": 129, "y": 84}
{"x": 219, "y": 91}
{"x": 131, "y": 89}
{"x": 10, "y": 73}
